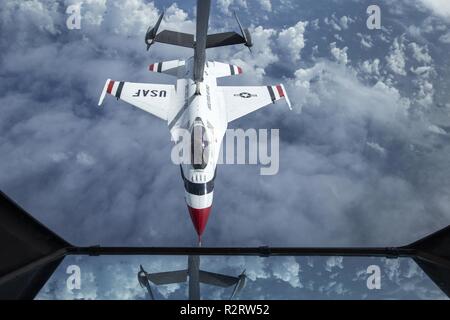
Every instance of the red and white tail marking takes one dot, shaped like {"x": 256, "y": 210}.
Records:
{"x": 110, "y": 86}
{"x": 234, "y": 70}
{"x": 156, "y": 67}
{"x": 278, "y": 92}
{"x": 113, "y": 88}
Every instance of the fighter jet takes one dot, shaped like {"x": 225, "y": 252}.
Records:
{"x": 194, "y": 276}
{"x": 196, "y": 104}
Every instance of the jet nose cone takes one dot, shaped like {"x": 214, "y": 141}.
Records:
{"x": 199, "y": 219}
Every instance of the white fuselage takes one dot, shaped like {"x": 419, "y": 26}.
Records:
{"x": 201, "y": 114}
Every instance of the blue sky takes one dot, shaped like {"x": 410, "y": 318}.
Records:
{"x": 364, "y": 154}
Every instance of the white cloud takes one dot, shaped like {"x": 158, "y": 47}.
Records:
{"x": 331, "y": 22}
{"x": 288, "y": 270}
{"x": 445, "y": 38}
{"x": 334, "y": 262}
{"x": 435, "y": 129}
{"x": 397, "y": 60}
{"x": 85, "y": 159}
{"x": 366, "y": 40}
{"x": 376, "y": 147}
{"x": 293, "y": 40}
{"x": 253, "y": 64}
{"x": 339, "y": 54}
{"x": 371, "y": 67}
{"x": 266, "y": 5}
{"x": 439, "y": 7}
{"x": 420, "y": 53}
{"x": 225, "y": 5}
{"x": 345, "y": 22}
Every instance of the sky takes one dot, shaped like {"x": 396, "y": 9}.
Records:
{"x": 364, "y": 154}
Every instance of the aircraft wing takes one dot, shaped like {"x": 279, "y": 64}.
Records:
{"x": 165, "y": 278}
{"x": 218, "y": 280}
{"x": 240, "y": 101}
{"x": 156, "y": 99}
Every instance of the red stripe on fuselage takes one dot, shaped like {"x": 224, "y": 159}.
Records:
{"x": 110, "y": 86}
{"x": 152, "y": 67}
{"x": 239, "y": 70}
{"x": 280, "y": 91}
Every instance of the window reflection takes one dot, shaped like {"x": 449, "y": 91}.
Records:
{"x": 273, "y": 278}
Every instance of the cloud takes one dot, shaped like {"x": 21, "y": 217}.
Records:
{"x": 371, "y": 67}
{"x": 421, "y": 54}
{"x": 293, "y": 40}
{"x": 339, "y": 54}
{"x": 334, "y": 262}
{"x": 226, "y": 5}
{"x": 266, "y": 5}
{"x": 445, "y": 38}
{"x": 396, "y": 59}
{"x": 438, "y": 7}
{"x": 366, "y": 40}
{"x": 288, "y": 271}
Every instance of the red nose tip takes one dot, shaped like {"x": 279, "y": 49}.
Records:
{"x": 199, "y": 219}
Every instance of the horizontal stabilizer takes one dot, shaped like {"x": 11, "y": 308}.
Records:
{"x": 218, "y": 280}
{"x": 171, "y": 68}
{"x": 165, "y": 278}
{"x": 176, "y": 38}
{"x": 224, "y": 39}
{"x": 224, "y": 69}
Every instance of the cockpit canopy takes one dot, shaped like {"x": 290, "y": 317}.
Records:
{"x": 200, "y": 146}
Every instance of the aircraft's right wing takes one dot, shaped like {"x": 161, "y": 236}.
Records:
{"x": 218, "y": 280}
{"x": 240, "y": 101}
{"x": 165, "y": 278}
{"x": 156, "y": 99}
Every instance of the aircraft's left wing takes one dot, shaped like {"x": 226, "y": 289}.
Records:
{"x": 240, "y": 101}
{"x": 156, "y": 99}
